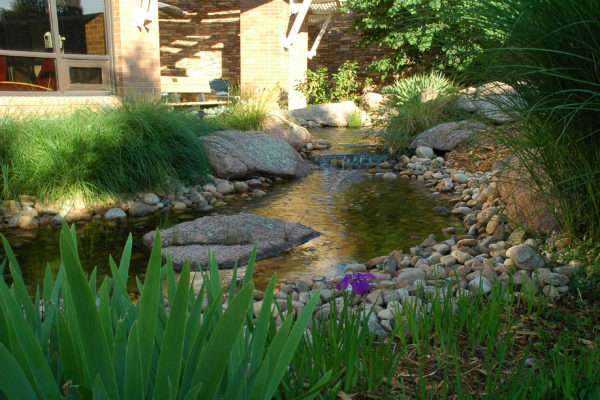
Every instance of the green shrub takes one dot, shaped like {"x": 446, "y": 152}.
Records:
{"x": 418, "y": 103}
{"x": 550, "y": 56}
{"x": 418, "y": 34}
{"x": 345, "y": 83}
{"x": 316, "y": 86}
{"x": 86, "y": 343}
{"x": 98, "y": 155}
{"x": 247, "y": 111}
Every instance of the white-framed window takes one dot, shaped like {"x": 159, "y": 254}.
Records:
{"x": 54, "y": 46}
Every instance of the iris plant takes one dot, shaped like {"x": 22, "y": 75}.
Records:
{"x": 357, "y": 280}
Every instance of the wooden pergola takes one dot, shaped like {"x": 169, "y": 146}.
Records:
{"x": 316, "y": 11}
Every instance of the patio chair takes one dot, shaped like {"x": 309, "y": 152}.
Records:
{"x": 222, "y": 88}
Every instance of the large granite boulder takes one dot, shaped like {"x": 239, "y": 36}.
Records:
{"x": 276, "y": 124}
{"x": 523, "y": 203}
{"x": 230, "y": 238}
{"x": 447, "y": 136}
{"x": 239, "y": 155}
{"x": 372, "y": 101}
{"x": 495, "y": 101}
{"x": 329, "y": 114}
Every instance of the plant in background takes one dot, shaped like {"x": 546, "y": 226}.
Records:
{"x": 419, "y": 103}
{"x": 418, "y": 33}
{"x": 345, "y": 83}
{"x": 249, "y": 108}
{"x": 355, "y": 119}
{"x": 95, "y": 155}
{"x": 316, "y": 86}
{"x": 89, "y": 343}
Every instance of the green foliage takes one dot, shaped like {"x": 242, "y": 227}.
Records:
{"x": 419, "y": 103}
{"x": 316, "y": 87}
{"x": 89, "y": 343}
{"x": 248, "y": 110}
{"x": 550, "y": 55}
{"x": 418, "y": 33}
{"x": 96, "y": 155}
{"x": 343, "y": 85}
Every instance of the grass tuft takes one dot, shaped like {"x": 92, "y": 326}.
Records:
{"x": 96, "y": 156}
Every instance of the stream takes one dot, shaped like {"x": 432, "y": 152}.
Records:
{"x": 359, "y": 216}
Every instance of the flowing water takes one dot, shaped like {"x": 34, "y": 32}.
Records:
{"x": 359, "y": 216}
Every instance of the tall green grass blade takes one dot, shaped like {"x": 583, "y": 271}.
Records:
{"x": 104, "y": 310}
{"x": 148, "y": 310}
{"x": 99, "y": 391}
{"x": 169, "y": 364}
{"x": 22, "y": 337}
{"x": 22, "y": 296}
{"x": 71, "y": 360}
{"x": 125, "y": 259}
{"x": 134, "y": 387}
{"x": 214, "y": 360}
{"x": 93, "y": 345}
{"x": 13, "y": 381}
{"x": 262, "y": 326}
{"x": 291, "y": 344}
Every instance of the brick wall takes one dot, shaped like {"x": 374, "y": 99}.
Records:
{"x": 339, "y": 45}
{"x": 137, "y": 56}
{"x": 205, "y": 43}
{"x": 263, "y": 28}
{"x": 94, "y": 36}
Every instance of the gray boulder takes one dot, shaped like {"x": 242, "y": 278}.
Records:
{"x": 524, "y": 257}
{"x": 447, "y": 136}
{"x": 277, "y": 125}
{"x": 329, "y": 114}
{"x": 495, "y": 101}
{"x": 237, "y": 155}
{"x": 229, "y": 238}
{"x": 115, "y": 214}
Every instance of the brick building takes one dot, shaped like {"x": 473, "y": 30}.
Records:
{"x": 58, "y": 55}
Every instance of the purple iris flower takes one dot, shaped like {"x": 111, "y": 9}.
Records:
{"x": 357, "y": 280}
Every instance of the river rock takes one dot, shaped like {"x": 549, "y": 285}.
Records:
{"x": 138, "y": 209}
{"x": 277, "y": 125}
{"x": 447, "y": 136}
{"x": 424, "y": 152}
{"x": 114, "y": 214}
{"x": 496, "y": 101}
{"x": 235, "y": 154}
{"x": 524, "y": 257}
{"x": 329, "y": 114}
{"x": 229, "y": 238}
{"x": 372, "y": 101}
{"x": 150, "y": 198}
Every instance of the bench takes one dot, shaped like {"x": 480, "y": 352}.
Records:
{"x": 183, "y": 85}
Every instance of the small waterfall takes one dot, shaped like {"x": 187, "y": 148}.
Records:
{"x": 353, "y": 160}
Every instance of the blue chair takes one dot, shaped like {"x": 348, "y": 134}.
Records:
{"x": 221, "y": 87}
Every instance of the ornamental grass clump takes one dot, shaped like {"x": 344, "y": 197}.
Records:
{"x": 78, "y": 340}
{"x": 99, "y": 155}
{"x": 548, "y": 51}
{"x": 418, "y": 103}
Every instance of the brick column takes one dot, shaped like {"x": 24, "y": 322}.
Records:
{"x": 136, "y": 50}
{"x": 265, "y": 63}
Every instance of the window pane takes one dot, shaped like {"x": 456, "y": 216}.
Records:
{"x": 27, "y": 74}
{"x": 81, "y": 25}
{"x": 85, "y": 75}
{"x": 24, "y": 25}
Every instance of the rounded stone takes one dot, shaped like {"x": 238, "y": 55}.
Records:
{"x": 424, "y": 152}
{"x": 114, "y": 214}
{"x": 150, "y": 199}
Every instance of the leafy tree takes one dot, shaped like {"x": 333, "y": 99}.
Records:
{"x": 426, "y": 34}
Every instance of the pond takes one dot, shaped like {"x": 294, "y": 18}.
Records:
{"x": 359, "y": 216}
